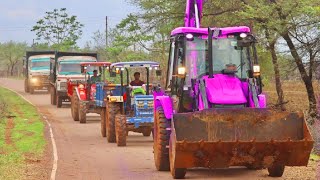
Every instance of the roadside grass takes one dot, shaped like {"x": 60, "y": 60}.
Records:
{"x": 21, "y": 136}
{"x": 315, "y": 157}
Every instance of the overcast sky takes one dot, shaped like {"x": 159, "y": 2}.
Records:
{"x": 18, "y": 16}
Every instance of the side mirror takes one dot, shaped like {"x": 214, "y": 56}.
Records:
{"x": 158, "y": 72}
{"x": 113, "y": 74}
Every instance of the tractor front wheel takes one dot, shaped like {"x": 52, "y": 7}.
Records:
{"x": 82, "y": 112}
{"x": 103, "y": 122}
{"x": 276, "y": 170}
{"x": 112, "y": 109}
{"x": 75, "y": 107}
{"x": 161, "y": 141}
{"x": 121, "y": 130}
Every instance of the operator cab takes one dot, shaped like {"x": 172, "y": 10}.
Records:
{"x": 223, "y": 62}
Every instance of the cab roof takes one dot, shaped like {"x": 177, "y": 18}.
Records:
{"x": 133, "y": 64}
{"x": 204, "y": 31}
{"x": 95, "y": 63}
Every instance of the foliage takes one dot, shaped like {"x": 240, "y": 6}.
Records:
{"x": 11, "y": 54}
{"x": 59, "y": 29}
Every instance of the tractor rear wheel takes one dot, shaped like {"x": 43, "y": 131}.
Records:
{"x": 82, "y": 112}
{"x": 26, "y": 86}
{"x": 59, "y": 101}
{"x": 75, "y": 107}
{"x": 121, "y": 130}
{"x": 103, "y": 122}
{"x": 161, "y": 141}
{"x": 111, "y": 110}
{"x": 276, "y": 170}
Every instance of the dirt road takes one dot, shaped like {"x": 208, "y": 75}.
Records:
{"x": 84, "y": 154}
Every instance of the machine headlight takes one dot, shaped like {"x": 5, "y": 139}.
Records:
{"x": 243, "y": 35}
{"x": 256, "y": 70}
{"x": 140, "y": 102}
{"x": 181, "y": 71}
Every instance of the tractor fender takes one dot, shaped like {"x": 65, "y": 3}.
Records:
{"x": 166, "y": 103}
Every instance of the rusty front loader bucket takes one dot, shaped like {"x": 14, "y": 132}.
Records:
{"x": 256, "y": 138}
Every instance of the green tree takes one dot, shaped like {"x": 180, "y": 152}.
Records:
{"x": 291, "y": 20}
{"x": 11, "y": 54}
{"x": 58, "y": 29}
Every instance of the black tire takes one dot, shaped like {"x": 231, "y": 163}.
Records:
{"x": 112, "y": 109}
{"x": 146, "y": 133}
{"x": 31, "y": 90}
{"x": 121, "y": 130}
{"x": 178, "y": 173}
{"x": 276, "y": 170}
{"x": 75, "y": 106}
{"x": 161, "y": 141}
{"x": 53, "y": 96}
{"x": 58, "y": 101}
{"x": 103, "y": 122}
{"x": 26, "y": 86}
{"x": 82, "y": 112}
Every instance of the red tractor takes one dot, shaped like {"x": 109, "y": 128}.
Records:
{"x": 83, "y": 93}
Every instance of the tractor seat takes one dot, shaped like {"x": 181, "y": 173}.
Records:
{"x": 224, "y": 89}
{"x": 138, "y": 91}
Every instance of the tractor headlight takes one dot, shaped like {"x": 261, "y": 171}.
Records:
{"x": 150, "y": 103}
{"x": 140, "y": 104}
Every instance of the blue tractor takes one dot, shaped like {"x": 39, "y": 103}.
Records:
{"x": 133, "y": 109}
{"x": 109, "y": 98}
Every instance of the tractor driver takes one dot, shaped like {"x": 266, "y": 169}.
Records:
{"x": 136, "y": 81}
{"x": 95, "y": 78}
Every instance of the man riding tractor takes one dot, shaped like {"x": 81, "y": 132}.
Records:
{"x": 84, "y": 93}
{"x": 135, "y": 111}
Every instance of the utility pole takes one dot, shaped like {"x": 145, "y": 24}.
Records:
{"x": 33, "y": 45}
{"x": 106, "y": 31}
